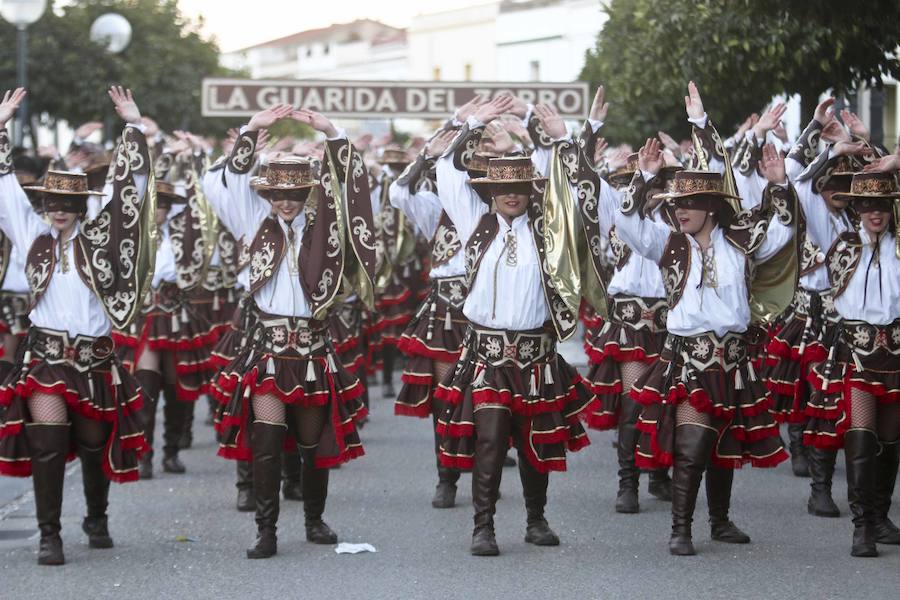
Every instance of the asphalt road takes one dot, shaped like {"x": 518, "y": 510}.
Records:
{"x": 178, "y": 536}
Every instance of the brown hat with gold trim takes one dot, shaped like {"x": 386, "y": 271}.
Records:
{"x": 480, "y": 160}
{"x": 65, "y": 183}
{"x": 285, "y": 174}
{"x": 623, "y": 175}
{"x": 512, "y": 170}
{"x": 838, "y": 179}
{"x": 871, "y": 191}
{"x": 688, "y": 183}
{"x": 168, "y": 194}
{"x": 394, "y": 156}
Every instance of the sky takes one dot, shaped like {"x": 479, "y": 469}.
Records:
{"x": 239, "y": 23}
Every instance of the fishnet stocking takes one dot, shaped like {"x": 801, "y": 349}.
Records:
{"x": 47, "y": 408}
{"x": 306, "y": 423}
{"x": 269, "y": 409}
{"x": 688, "y": 415}
{"x": 441, "y": 369}
{"x": 863, "y": 410}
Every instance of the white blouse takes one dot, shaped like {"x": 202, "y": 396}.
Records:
{"x": 15, "y": 280}
{"x": 423, "y": 209}
{"x": 873, "y": 292}
{"x": 823, "y": 227}
{"x": 703, "y": 308}
{"x": 165, "y": 270}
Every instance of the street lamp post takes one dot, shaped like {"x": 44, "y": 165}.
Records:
{"x": 113, "y": 32}
{"x": 22, "y": 13}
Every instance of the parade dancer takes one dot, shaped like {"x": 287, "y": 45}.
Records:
{"x": 69, "y": 394}
{"x": 308, "y": 239}
{"x": 858, "y": 401}
{"x": 705, "y": 408}
{"x": 509, "y": 381}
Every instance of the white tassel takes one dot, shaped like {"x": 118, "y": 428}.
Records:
{"x": 548, "y": 374}
{"x": 448, "y": 321}
{"x": 114, "y": 373}
{"x": 751, "y": 371}
{"x": 479, "y": 376}
{"x": 857, "y": 364}
{"x": 406, "y": 271}
{"x": 310, "y": 371}
{"x": 247, "y": 392}
{"x": 175, "y": 326}
{"x": 623, "y": 339}
{"x": 332, "y": 367}
{"x": 184, "y": 315}
{"x": 533, "y": 390}
{"x": 738, "y": 381}
{"x": 26, "y": 360}
{"x": 91, "y": 386}
{"x": 684, "y": 373}
{"x": 230, "y": 295}
{"x": 270, "y": 366}
{"x": 216, "y": 304}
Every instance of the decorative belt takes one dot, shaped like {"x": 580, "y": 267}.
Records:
{"x": 638, "y": 313}
{"x": 303, "y": 336}
{"x": 215, "y": 279}
{"x": 865, "y": 339}
{"x": 707, "y": 349}
{"x": 499, "y": 347}
{"x": 808, "y": 302}
{"x": 451, "y": 290}
{"x": 81, "y": 352}
{"x": 166, "y": 298}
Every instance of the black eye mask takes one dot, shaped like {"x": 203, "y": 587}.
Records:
{"x": 65, "y": 203}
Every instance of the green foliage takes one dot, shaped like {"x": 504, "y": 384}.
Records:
{"x": 739, "y": 52}
{"x": 164, "y": 64}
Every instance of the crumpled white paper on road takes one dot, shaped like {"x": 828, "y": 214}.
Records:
{"x": 345, "y": 548}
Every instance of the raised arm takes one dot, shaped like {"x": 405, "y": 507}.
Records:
{"x": 421, "y": 207}
{"x": 645, "y": 236}
{"x": 17, "y": 218}
{"x": 780, "y": 195}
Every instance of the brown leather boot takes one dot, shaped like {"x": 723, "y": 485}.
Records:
{"x": 534, "y": 488}
{"x": 150, "y": 383}
{"x": 291, "y": 476}
{"x": 246, "y": 501}
{"x": 799, "y": 462}
{"x": 445, "y": 492}
{"x": 885, "y": 478}
{"x": 315, "y": 493}
{"x": 492, "y": 426}
{"x": 175, "y": 418}
{"x": 268, "y": 444}
{"x": 692, "y": 448}
{"x": 96, "y": 494}
{"x": 821, "y": 470}
{"x": 718, "y": 496}
{"x": 860, "y": 448}
{"x": 49, "y": 445}
{"x": 627, "y": 496}
{"x": 660, "y": 485}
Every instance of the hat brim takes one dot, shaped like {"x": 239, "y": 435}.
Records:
{"x": 849, "y": 196}
{"x": 43, "y": 190}
{"x": 173, "y": 198}
{"x": 487, "y": 181}
{"x": 676, "y": 196}
{"x": 262, "y": 186}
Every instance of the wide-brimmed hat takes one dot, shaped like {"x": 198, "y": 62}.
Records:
{"x": 688, "y": 183}
{"x": 512, "y": 170}
{"x": 394, "y": 155}
{"x": 168, "y": 194}
{"x": 838, "y": 179}
{"x": 285, "y": 174}
{"x": 623, "y": 175}
{"x": 666, "y": 179}
{"x": 480, "y": 160}
{"x": 871, "y": 186}
{"x": 65, "y": 183}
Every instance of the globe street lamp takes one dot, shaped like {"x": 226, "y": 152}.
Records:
{"x": 22, "y": 13}
{"x": 113, "y": 32}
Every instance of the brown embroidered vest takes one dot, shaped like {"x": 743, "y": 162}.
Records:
{"x": 192, "y": 234}
{"x": 842, "y": 260}
{"x": 113, "y": 252}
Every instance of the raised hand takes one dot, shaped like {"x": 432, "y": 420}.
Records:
{"x": 500, "y": 140}
{"x": 268, "y": 117}
{"x": 600, "y": 151}
{"x": 780, "y": 132}
{"x": 491, "y": 110}
{"x": 11, "y": 101}
{"x": 693, "y": 103}
{"x": 834, "y": 132}
{"x": 770, "y": 119}
{"x": 772, "y": 165}
{"x": 151, "y": 128}
{"x": 85, "y": 130}
{"x": 848, "y": 148}
{"x": 262, "y": 140}
{"x": 599, "y": 108}
{"x": 124, "y": 103}
{"x": 824, "y": 111}
{"x": 437, "y": 145}
{"x": 519, "y": 107}
{"x": 49, "y": 152}
{"x": 669, "y": 142}
{"x": 317, "y": 121}
{"x": 466, "y": 110}
{"x": 855, "y": 124}
{"x": 650, "y": 157}
{"x": 551, "y": 121}
{"x": 885, "y": 164}
{"x": 618, "y": 158}
{"x": 744, "y": 128}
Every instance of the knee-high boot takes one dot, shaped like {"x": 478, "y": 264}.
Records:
{"x": 315, "y": 493}
{"x": 246, "y": 501}
{"x": 534, "y": 488}
{"x": 627, "y": 496}
{"x": 692, "y": 448}
{"x": 96, "y": 497}
{"x": 445, "y": 492}
{"x": 492, "y": 439}
{"x": 268, "y": 444}
{"x": 718, "y": 495}
{"x": 799, "y": 462}
{"x": 150, "y": 383}
{"x": 186, "y": 439}
{"x": 885, "y": 478}
{"x": 49, "y": 445}
{"x": 175, "y": 415}
{"x": 860, "y": 449}
{"x": 821, "y": 470}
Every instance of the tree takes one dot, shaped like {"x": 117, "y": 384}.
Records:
{"x": 740, "y": 53}
{"x": 164, "y": 64}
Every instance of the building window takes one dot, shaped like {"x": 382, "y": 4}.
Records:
{"x": 309, "y": 51}
{"x": 326, "y": 48}
{"x": 467, "y": 72}
{"x": 535, "y": 70}
{"x": 436, "y": 73}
